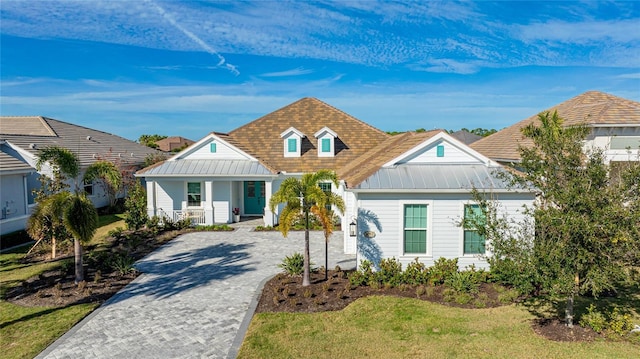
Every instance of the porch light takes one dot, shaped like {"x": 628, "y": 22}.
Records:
{"x": 353, "y": 228}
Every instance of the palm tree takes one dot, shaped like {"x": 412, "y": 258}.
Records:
{"x": 61, "y": 211}
{"x": 110, "y": 176}
{"x": 304, "y": 197}
{"x": 322, "y": 210}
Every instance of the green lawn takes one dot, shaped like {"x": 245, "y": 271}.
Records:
{"x": 389, "y": 327}
{"x": 25, "y": 332}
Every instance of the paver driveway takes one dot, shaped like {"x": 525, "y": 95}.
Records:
{"x": 194, "y": 299}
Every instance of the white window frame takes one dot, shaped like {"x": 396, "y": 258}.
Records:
{"x": 92, "y": 185}
{"x": 186, "y": 192}
{"x": 462, "y": 230}
{"x": 411, "y": 256}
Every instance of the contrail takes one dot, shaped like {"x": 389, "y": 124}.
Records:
{"x": 195, "y": 38}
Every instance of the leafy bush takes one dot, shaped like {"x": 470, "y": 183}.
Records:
{"x": 594, "y": 319}
{"x": 463, "y": 282}
{"x": 416, "y": 273}
{"x": 264, "y": 228}
{"x": 116, "y": 233}
{"x": 519, "y": 275}
{"x": 214, "y": 227}
{"x": 442, "y": 269}
{"x": 390, "y": 273}
{"x": 136, "y": 207}
{"x": 293, "y": 264}
{"x": 123, "y": 263}
{"x": 614, "y": 323}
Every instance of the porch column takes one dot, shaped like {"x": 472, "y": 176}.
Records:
{"x": 268, "y": 217}
{"x": 151, "y": 198}
{"x": 208, "y": 204}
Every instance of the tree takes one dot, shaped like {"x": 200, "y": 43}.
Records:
{"x": 302, "y": 198}
{"x": 46, "y": 221}
{"x": 322, "y": 210}
{"x": 585, "y": 222}
{"x": 81, "y": 219}
{"x": 136, "y": 207}
{"x": 150, "y": 140}
{"x": 108, "y": 174}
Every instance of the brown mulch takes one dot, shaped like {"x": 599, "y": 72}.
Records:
{"x": 282, "y": 293}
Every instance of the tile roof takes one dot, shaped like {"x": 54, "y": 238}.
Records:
{"x": 465, "y": 137}
{"x": 261, "y": 138}
{"x": 367, "y": 164}
{"x": 592, "y": 108}
{"x": 36, "y": 132}
{"x": 11, "y": 163}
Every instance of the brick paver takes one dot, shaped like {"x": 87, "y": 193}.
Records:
{"x": 194, "y": 299}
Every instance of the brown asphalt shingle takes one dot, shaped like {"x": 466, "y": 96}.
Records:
{"x": 261, "y": 138}
{"x": 590, "y": 108}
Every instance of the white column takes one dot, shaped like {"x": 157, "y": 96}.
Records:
{"x": 208, "y": 204}
{"x": 268, "y": 217}
{"x": 151, "y": 198}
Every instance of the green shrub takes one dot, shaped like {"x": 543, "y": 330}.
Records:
{"x": 508, "y": 272}
{"x": 116, "y": 233}
{"x": 390, "y": 273}
{"x": 214, "y": 227}
{"x": 416, "y": 273}
{"x": 136, "y": 207}
{"x": 463, "y": 282}
{"x": 442, "y": 269}
{"x": 620, "y": 324}
{"x": 594, "y": 319}
{"x": 264, "y": 228}
{"x": 508, "y": 295}
{"x": 293, "y": 264}
{"x": 123, "y": 263}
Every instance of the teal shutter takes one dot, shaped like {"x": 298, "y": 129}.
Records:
{"x": 212, "y": 147}
{"x": 440, "y": 151}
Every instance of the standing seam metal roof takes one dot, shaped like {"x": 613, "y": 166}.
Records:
{"x": 207, "y": 167}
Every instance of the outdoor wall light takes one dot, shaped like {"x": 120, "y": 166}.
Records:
{"x": 353, "y": 228}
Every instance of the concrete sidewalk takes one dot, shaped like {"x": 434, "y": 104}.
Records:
{"x": 195, "y": 298}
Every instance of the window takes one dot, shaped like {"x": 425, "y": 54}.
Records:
{"x": 88, "y": 188}
{"x": 440, "y": 151}
{"x": 212, "y": 147}
{"x": 415, "y": 228}
{"x": 326, "y": 188}
{"x": 326, "y": 145}
{"x": 625, "y": 142}
{"x": 194, "y": 196}
{"x": 474, "y": 243}
{"x": 292, "y": 145}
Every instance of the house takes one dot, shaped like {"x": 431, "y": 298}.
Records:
{"x": 410, "y": 194}
{"x": 614, "y": 123}
{"x": 383, "y": 178}
{"x": 20, "y": 140}
{"x": 173, "y": 143}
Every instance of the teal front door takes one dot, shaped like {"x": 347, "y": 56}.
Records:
{"x": 254, "y": 197}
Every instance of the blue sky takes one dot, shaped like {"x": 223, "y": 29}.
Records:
{"x": 188, "y": 68}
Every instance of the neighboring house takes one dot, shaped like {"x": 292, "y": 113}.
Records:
{"x": 407, "y": 192}
{"x": 615, "y": 124}
{"x": 466, "y": 137}
{"x": 173, "y": 143}
{"x": 22, "y": 137}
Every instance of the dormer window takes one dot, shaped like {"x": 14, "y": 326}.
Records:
{"x": 326, "y": 142}
{"x": 292, "y": 140}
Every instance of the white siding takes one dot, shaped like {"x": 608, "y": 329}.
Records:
{"x": 170, "y": 195}
{"x": 223, "y": 152}
{"x": 445, "y": 212}
{"x": 14, "y": 210}
{"x": 601, "y": 138}
{"x": 222, "y": 202}
{"x": 452, "y": 154}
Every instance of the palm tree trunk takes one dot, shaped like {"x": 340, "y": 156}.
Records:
{"x": 53, "y": 247}
{"x": 305, "y": 277}
{"x": 77, "y": 250}
{"x": 326, "y": 259}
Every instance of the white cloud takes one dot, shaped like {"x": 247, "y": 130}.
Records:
{"x": 293, "y": 72}
{"x": 621, "y": 31}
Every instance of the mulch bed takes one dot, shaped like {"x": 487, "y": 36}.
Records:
{"x": 282, "y": 293}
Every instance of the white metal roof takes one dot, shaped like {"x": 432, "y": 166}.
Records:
{"x": 435, "y": 177}
{"x": 206, "y": 167}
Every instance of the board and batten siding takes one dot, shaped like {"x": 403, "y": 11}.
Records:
{"x": 169, "y": 195}
{"x": 452, "y": 154}
{"x": 222, "y": 202}
{"x": 223, "y": 152}
{"x": 444, "y": 212}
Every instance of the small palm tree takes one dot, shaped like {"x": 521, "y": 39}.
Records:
{"x": 110, "y": 176}
{"x": 304, "y": 197}
{"x": 81, "y": 219}
{"x": 322, "y": 210}
{"x": 46, "y": 221}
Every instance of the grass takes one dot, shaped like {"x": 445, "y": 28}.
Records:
{"x": 389, "y": 327}
{"x": 25, "y": 332}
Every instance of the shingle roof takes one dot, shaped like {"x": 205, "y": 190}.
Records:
{"x": 466, "y": 137}
{"x": 36, "y": 132}
{"x": 592, "y": 108}
{"x": 170, "y": 143}
{"x": 364, "y": 166}
{"x": 261, "y": 138}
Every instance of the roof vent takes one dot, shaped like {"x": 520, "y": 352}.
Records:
{"x": 131, "y": 154}
{"x": 88, "y": 138}
{"x": 32, "y": 146}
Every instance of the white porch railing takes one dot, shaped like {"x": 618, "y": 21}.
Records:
{"x": 195, "y": 215}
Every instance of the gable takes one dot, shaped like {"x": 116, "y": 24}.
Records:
{"x": 212, "y": 147}
{"x": 440, "y": 149}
